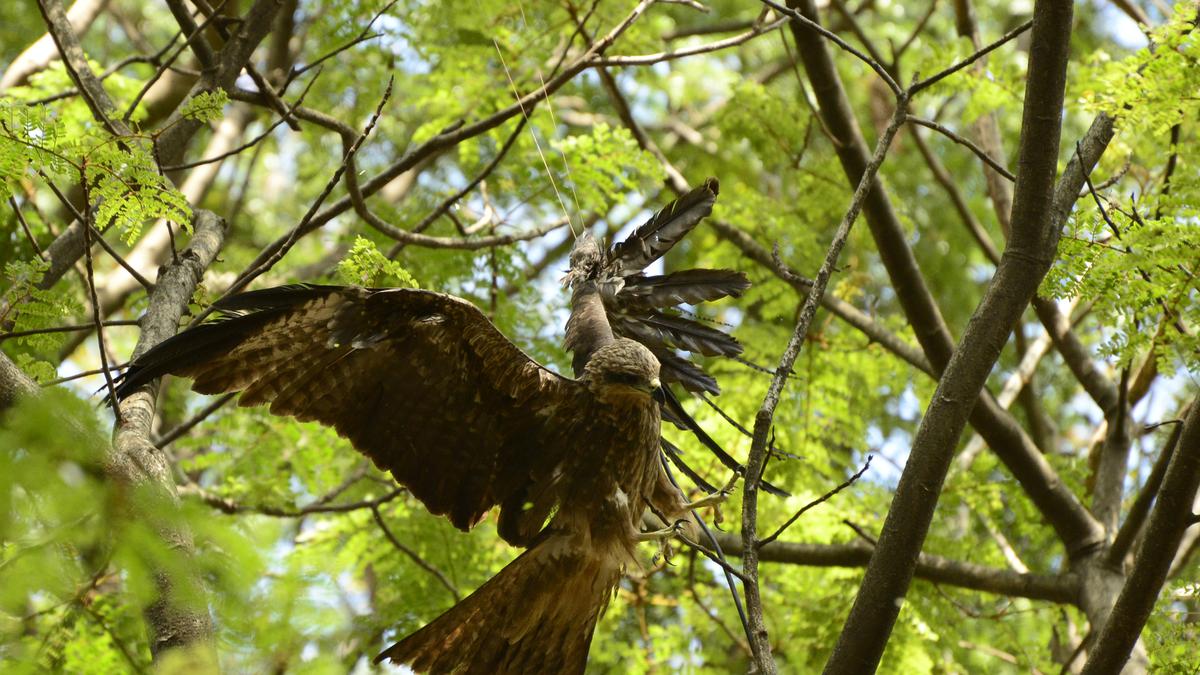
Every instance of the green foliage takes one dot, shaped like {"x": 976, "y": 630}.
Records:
{"x": 1141, "y": 281}
{"x": 122, "y": 177}
{"x": 1171, "y": 633}
{"x": 129, "y": 190}
{"x": 206, "y": 106}
{"x": 31, "y": 138}
{"x": 1155, "y": 89}
{"x": 39, "y": 309}
{"x": 605, "y": 165}
{"x": 364, "y": 265}
{"x": 53, "y": 541}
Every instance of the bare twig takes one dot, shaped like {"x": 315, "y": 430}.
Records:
{"x": 819, "y": 500}
{"x": 253, "y": 272}
{"x": 878, "y": 67}
{"x": 996, "y": 166}
{"x": 450, "y": 201}
{"x": 252, "y": 142}
{"x": 82, "y": 374}
{"x": 1010, "y": 35}
{"x": 91, "y": 289}
{"x": 460, "y": 132}
{"x": 414, "y": 556}
{"x": 231, "y": 507}
{"x": 62, "y": 329}
{"x": 1061, "y": 588}
{"x": 194, "y": 33}
{"x": 660, "y": 57}
{"x": 762, "y": 422}
{"x": 174, "y": 434}
{"x": 12, "y": 201}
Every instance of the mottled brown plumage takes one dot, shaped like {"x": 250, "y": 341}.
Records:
{"x": 429, "y": 389}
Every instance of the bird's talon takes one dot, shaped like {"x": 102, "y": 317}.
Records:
{"x": 717, "y": 498}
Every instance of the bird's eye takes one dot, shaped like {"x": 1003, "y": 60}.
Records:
{"x": 625, "y": 378}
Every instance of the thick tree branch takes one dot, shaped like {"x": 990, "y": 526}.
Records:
{"x": 236, "y": 53}
{"x": 13, "y": 383}
{"x": 1165, "y": 530}
{"x": 1061, "y": 589}
{"x": 1025, "y": 261}
{"x": 178, "y": 618}
{"x": 90, "y": 87}
{"x": 1000, "y": 429}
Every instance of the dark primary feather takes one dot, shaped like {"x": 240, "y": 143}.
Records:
{"x": 676, "y": 456}
{"x": 690, "y": 376}
{"x": 683, "y": 287}
{"x": 656, "y": 328}
{"x": 654, "y": 238}
{"x": 674, "y": 411}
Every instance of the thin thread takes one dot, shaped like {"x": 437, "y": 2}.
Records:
{"x": 554, "y": 121}
{"x": 566, "y": 164}
{"x": 536, "y": 143}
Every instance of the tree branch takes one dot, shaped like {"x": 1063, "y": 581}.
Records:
{"x": 1073, "y": 523}
{"x": 756, "y": 462}
{"x": 1061, "y": 588}
{"x": 13, "y": 383}
{"x": 177, "y": 618}
{"x": 1024, "y": 263}
{"x": 1141, "y": 504}
{"x": 1163, "y": 534}
{"x": 75, "y": 61}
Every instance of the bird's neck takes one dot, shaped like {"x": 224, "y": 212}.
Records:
{"x": 587, "y": 327}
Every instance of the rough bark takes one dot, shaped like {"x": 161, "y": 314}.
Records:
{"x": 179, "y": 617}
{"x": 13, "y": 383}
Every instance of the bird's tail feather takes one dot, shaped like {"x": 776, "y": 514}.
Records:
{"x": 537, "y": 615}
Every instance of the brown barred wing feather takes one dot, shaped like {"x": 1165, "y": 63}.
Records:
{"x": 420, "y": 382}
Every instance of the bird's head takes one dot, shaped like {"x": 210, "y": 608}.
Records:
{"x": 623, "y": 368}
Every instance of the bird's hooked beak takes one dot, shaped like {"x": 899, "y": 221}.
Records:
{"x": 656, "y": 391}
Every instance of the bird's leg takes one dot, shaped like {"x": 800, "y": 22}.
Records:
{"x": 663, "y": 538}
{"x": 716, "y": 499}
{"x": 663, "y": 534}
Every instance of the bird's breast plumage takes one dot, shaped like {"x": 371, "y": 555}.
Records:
{"x": 604, "y": 486}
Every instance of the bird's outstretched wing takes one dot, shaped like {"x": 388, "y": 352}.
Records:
{"x": 420, "y": 382}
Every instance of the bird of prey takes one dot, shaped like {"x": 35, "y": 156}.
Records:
{"x": 430, "y": 390}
